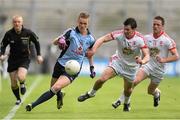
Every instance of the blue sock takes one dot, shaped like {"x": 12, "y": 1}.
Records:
{"x": 44, "y": 97}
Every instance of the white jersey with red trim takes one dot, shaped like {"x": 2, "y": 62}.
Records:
{"x": 159, "y": 46}
{"x": 128, "y": 49}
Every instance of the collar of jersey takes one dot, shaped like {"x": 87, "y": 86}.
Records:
{"x": 21, "y": 29}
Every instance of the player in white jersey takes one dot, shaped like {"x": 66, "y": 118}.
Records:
{"x": 160, "y": 44}
{"x": 130, "y": 45}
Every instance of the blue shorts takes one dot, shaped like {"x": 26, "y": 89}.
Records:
{"x": 60, "y": 70}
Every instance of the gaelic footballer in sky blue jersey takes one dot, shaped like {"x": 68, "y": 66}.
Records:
{"x": 77, "y": 46}
{"x": 74, "y": 43}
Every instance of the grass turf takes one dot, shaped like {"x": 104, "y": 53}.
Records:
{"x": 98, "y": 107}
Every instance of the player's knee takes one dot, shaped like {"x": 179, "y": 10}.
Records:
{"x": 55, "y": 88}
{"x": 15, "y": 86}
{"x": 14, "y": 83}
{"x": 21, "y": 77}
{"x": 135, "y": 83}
{"x": 128, "y": 91}
{"x": 103, "y": 78}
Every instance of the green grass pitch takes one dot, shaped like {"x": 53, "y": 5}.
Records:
{"x": 98, "y": 107}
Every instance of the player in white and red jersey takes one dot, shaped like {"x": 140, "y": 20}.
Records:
{"x": 130, "y": 45}
{"x": 160, "y": 44}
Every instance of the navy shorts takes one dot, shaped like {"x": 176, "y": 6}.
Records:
{"x": 14, "y": 65}
{"x": 60, "y": 70}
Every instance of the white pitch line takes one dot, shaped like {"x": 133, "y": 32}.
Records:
{"x": 1, "y": 77}
{"x": 12, "y": 112}
{"x": 0, "y": 82}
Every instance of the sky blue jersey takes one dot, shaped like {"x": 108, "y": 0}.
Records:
{"x": 78, "y": 45}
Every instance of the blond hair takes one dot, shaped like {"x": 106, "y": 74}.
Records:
{"x": 83, "y": 15}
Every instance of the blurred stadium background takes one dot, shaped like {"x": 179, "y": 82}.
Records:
{"x": 49, "y": 18}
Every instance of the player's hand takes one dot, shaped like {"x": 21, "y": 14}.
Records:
{"x": 93, "y": 73}
{"x": 3, "y": 57}
{"x": 160, "y": 60}
{"x": 139, "y": 60}
{"x": 39, "y": 59}
{"x": 62, "y": 43}
{"x": 90, "y": 53}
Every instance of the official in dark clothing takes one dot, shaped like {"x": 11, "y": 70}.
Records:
{"x": 19, "y": 39}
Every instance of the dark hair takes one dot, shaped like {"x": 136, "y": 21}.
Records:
{"x": 131, "y": 22}
{"x": 83, "y": 15}
{"x": 161, "y": 19}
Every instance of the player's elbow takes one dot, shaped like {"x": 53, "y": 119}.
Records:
{"x": 177, "y": 57}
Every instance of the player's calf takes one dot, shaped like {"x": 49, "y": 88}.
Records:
{"x": 22, "y": 88}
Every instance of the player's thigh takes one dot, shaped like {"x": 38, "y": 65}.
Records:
{"x": 62, "y": 82}
{"x": 53, "y": 81}
{"x": 140, "y": 76}
{"x": 22, "y": 72}
{"x": 108, "y": 73}
{"x": 13, "y": 77}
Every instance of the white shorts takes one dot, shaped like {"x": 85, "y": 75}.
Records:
{"x": 155, "y": 75}
{"x": 123, "y": 70}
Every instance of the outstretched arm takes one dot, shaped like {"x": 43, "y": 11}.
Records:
{"x": 98, "y": 43}
{"x": 101, "y": 40}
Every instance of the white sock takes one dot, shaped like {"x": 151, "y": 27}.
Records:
{"x": 122, "y": 97}
{"x": 22, "y": 85}
{"x": 92, "y": 92}
{"x": 156, "y": 93}
{"x": 126, "y": 100}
